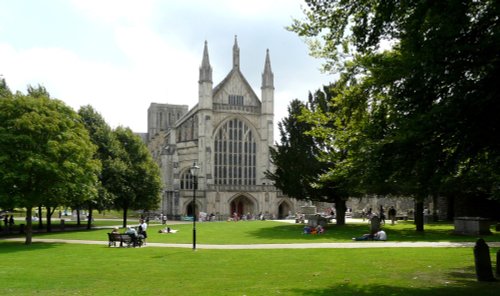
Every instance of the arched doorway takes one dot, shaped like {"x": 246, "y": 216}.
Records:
{"x": 190, "y": 211}
{"x": 242, "y": 205}
{"x": 284, "y": 210}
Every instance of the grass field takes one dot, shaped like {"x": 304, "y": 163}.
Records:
{"x": 69, "y": 269}
{"x": 269, "y": 232}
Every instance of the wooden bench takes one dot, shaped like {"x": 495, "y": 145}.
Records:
{"x": 121, "y": 238}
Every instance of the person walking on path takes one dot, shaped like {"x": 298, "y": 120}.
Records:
{"x": 382, "y": 214}
{"x": 11, "y": 222}
{"x": 392, "y": 215}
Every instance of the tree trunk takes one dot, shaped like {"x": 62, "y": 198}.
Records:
{"x": 49, "y": 217}
{"x": 419, "y": 213}
{"x": 125, "y": 217}
{"x": 49, "y": 224}
{"x": 40, "y": 222}
{"x": 340, "y": 208}
{"x": 89, "y": 218}
{"x": 78, "y": 217}
{"x": 27, "y": 229}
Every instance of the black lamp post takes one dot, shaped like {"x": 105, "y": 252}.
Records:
{"x": 194, "y": 172}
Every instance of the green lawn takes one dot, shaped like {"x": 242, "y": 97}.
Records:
{"x": 269, "y": 232}
{"x": 70, "y": 269}
{"x": 63, "y": 269}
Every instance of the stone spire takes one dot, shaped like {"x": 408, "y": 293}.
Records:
{"x": 236, "y": 54}
{"x": 205, "y": 68}
{"x": 267, "y": 76}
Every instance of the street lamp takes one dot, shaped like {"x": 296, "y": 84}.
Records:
{"x": 194, "y": 173}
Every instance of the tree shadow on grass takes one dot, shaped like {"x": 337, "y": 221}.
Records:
{"x": 483, "y": 289}
{"x": 343, "y": 233}
{"x": 15, "y": 246}
{"x": 455, "y": 282}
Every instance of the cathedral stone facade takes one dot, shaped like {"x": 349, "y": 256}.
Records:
{"x": 228, "y": 135}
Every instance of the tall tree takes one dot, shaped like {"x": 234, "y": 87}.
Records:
{"x": 299, "y": 161}
{"x": 46, "y": 156}
{"x": 295, "y": 165}
{"x": 438, "y": 85}
{"x": 107, "y": 152}
{"x": 135, "y": 179}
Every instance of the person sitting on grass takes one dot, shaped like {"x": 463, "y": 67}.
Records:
{"x": 379, "y": 236}
{"x": 307, "y": 230}
{"x": 319, "y": 229}
{"x": 166, "y": 230}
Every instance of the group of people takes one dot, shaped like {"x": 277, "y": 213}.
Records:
{"x": 138, "y": 235}
{"x": 245, "y": 217}
{"x": 314, "y": 230}
{"x": 381, "y": 215}
{"x": 8, "y": 222}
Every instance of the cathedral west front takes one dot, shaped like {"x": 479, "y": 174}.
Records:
{"x": 227, "y": 134}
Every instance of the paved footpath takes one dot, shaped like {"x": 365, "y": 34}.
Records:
{"x": 350, "y": 245}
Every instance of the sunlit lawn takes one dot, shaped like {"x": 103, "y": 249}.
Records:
{"x": 70, "y": 269}
{"x": 269, "y": 232}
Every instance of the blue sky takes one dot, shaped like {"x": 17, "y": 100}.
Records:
{"x": 121, "y": 55}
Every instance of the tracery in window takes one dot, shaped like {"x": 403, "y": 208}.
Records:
{"x": 187, "y": 180}
{"x": 235, "y": 154}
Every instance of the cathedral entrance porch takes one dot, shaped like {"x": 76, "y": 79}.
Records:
{"x": 242, "y": 207}
{"x": 192, "y": 211}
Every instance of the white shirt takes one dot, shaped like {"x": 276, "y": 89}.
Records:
{"x": 381, "y": 235}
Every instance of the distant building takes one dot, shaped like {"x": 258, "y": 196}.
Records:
{"x": 228, "y": 135}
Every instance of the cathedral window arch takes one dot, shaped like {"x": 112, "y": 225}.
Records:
{"x": 235, "y": 154}
{"x": 187, "y": 180}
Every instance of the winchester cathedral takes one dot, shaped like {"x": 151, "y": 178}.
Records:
{"x": 227, "y": 134}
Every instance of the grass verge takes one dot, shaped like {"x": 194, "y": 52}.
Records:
{"x": 65, "y": 269}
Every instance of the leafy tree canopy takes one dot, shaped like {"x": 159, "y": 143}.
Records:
{"x": 421, "y": 116}
{"x": 46, "y": 156}
{"x": 135, "y": 177}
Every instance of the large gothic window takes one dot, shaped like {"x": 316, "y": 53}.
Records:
{"x": 235, "y": 154}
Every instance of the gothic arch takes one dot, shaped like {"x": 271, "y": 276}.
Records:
{"x": 188, "y": 208}
{"x": 186, "y": 179}
{"x": 285, "y": 208}
{"x": 242, "y": 204}
{"x": 237, "y": 117}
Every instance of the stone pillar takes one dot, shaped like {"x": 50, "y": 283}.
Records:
{"x": 482, "y": 261}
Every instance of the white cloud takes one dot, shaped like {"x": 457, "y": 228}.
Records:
{"x": 158, "y": 61}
